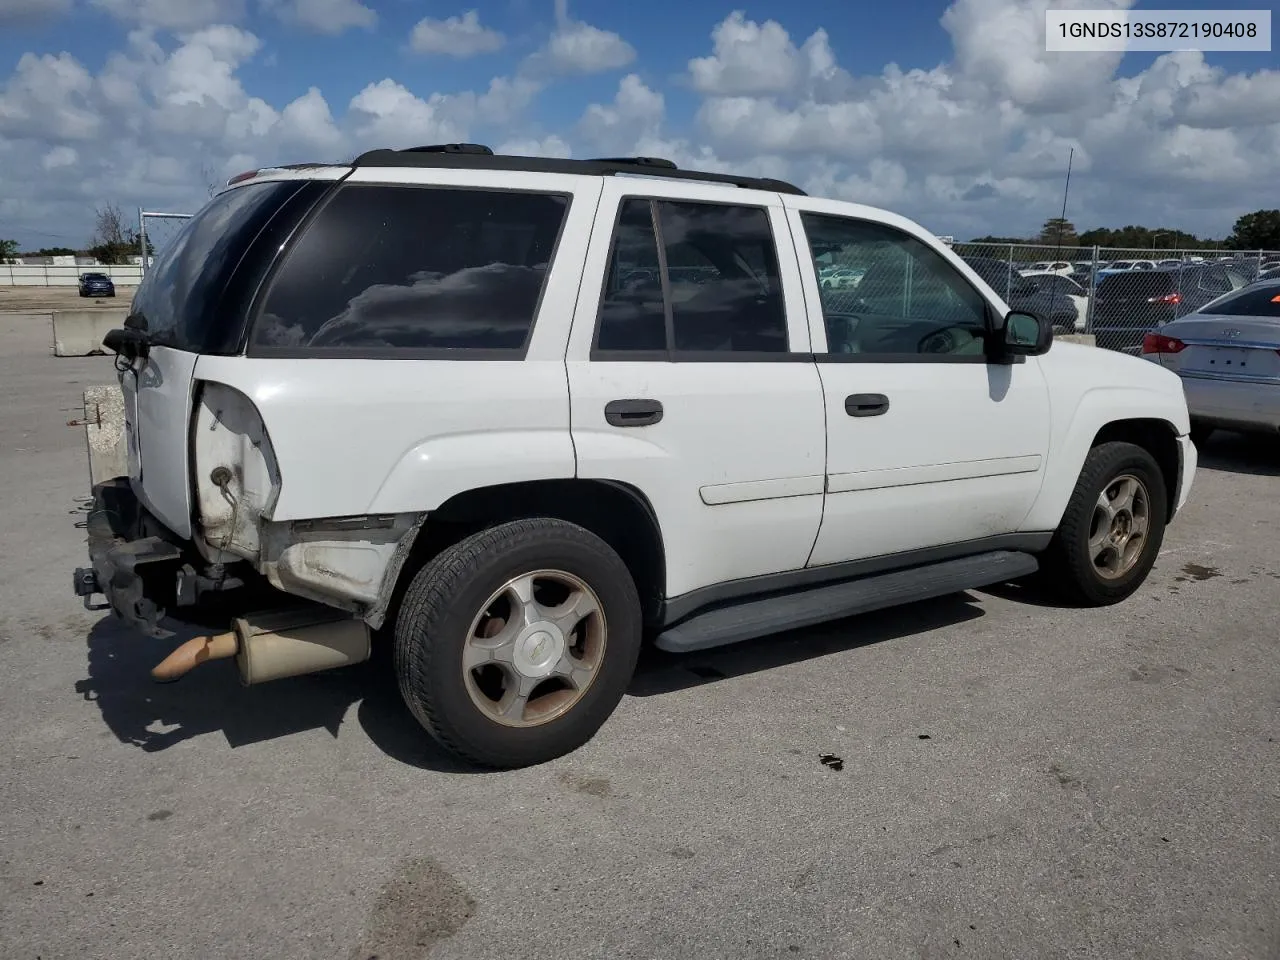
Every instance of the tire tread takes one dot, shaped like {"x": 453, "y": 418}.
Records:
{"x": 1069, "y": 570}
{"x": 432, "y": 592}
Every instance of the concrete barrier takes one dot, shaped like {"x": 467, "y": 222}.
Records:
{"x": 79, "y": 333}
{"x": 104, "y": 433}
{"x": 1088, "y": 339}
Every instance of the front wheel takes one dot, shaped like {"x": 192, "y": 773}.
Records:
{"x": 515, "y": 645}
{"x": 1112, "y": 529}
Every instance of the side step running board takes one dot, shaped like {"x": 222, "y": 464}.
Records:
{"x": 760, "y": 618}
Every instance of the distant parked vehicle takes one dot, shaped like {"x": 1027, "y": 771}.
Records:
{"x": 842, "y": 278}
{"x": 1171, "y": 262}
{"x": 1086, "y": 267}
{"x": 1228, "y": 356}
{"x": 1127, "y": 305}
{"x": 1133, "y": 265}
{"x": 1049, "y": 266}
{"x": 1068, "y": 301}
{"x": 96, "y": 285}
{"x": 1272, "y": 274}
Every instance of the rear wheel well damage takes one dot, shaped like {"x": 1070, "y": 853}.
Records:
{"x": 616, "y": 512}
{"x": 1157, "y": 437}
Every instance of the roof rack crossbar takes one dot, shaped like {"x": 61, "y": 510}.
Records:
{"x": 479, "y": 157}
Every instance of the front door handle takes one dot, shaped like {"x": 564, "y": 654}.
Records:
{"x": 633, "y": 413}
{"x": 866, "y": 404}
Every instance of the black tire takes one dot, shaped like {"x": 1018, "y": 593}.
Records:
{"x": 1069, "y": 568}
{"x": 1201, "y": 432}
{"x": 450, "y": 591}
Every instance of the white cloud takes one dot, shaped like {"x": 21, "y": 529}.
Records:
{"x": 982, "y": 141}
{"x": 173, "y": 14}
{"x": 976, "y": 144}
{"x": 331, "y": 17}
{"x": 388, "y": 115}
{"x": 636, "y": 112}
{"x": 551, "y": 146}
{"x": 752, "y": 59}
{"x": 48, "y": 98}
{"x": 308, "y": 123}
{"x": 59, "y": 157}
{"x": 579, "y": 48}
{"x": 459, "y": 37}
{"x": 29, "y": 11}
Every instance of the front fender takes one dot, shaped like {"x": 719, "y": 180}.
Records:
{"x": 1075, "y": 429}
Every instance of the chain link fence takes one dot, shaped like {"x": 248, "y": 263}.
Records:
{"x": 1114, "y": 294}
{"x": 156, "y": 231}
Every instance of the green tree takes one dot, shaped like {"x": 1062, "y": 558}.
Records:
{"x": 1259, "y": 230}
{"x": 1058, "y": 232}
{"x": 990, "y": 239}
{"x": 8, "y": 250}
{"x": 112, "y": 241}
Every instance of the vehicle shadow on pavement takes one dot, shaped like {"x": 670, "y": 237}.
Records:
{"x": 1237, "y": 453}
{"x": 156, "y": 716}
{"x": 660, "y": 672}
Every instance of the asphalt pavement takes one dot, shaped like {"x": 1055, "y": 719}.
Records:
{"x": 1001, "y": 778}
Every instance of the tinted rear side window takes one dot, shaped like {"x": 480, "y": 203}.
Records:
{"x": 722, "y": 292}
{"x": 1144, "y": 283}
{"x": 389, "y": 268}
{"x": 1249, "y": 302}
{"x": 179, "y": 301}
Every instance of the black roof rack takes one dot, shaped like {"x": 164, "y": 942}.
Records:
{"x": 475, "y": 156}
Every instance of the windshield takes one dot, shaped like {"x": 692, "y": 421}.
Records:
{"x": 179, "y": 298}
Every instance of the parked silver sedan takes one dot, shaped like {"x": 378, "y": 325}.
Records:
{"x": 1228, "y": 355}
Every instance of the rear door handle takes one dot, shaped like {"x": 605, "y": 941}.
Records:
{"x": 866, "y": 404}
{"x": 633, "y": 413}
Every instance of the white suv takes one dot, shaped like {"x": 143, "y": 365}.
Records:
{"x": 517, "y": 416}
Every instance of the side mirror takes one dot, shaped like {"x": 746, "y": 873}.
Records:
{"x": 1026, "y": 335}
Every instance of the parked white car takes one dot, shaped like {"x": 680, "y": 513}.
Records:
{"x": 1228, "y": 356}
{"x": 1062, "y": 267}
{"x": 1060, "y": 285}
{"x": 591, "y": 404}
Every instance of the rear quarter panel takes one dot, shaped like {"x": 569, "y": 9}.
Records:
{"x": 381, "y": 436}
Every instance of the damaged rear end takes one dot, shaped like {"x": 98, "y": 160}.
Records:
{"x": 194, "y": 518}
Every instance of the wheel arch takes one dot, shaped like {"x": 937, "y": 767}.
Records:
{"x": 1160, "y": 439}
{"x": 618, "y": 513}
{"x": 1132, "y": 413}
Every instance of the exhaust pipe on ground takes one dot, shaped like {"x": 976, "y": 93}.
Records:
{"x": 273, "y": 646}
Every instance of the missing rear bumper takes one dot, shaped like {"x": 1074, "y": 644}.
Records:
{"x": 134, "y": 561}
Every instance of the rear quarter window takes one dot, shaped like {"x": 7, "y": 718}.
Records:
{"x": 400, "y": 270}
{"x": 180, "y": 301}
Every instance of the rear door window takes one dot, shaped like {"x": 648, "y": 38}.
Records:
{"x": 1137, "y": 284}
{"x": 722, "y": 292}
{"x": 179, "y": 302}
{"x": 387, "y": 269}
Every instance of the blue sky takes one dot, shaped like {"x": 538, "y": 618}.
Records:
{"x": 1032, "y": 106}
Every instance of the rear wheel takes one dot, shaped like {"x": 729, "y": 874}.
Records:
{"x": 1112, "y": 529}
{"x": 515, "y": 645}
